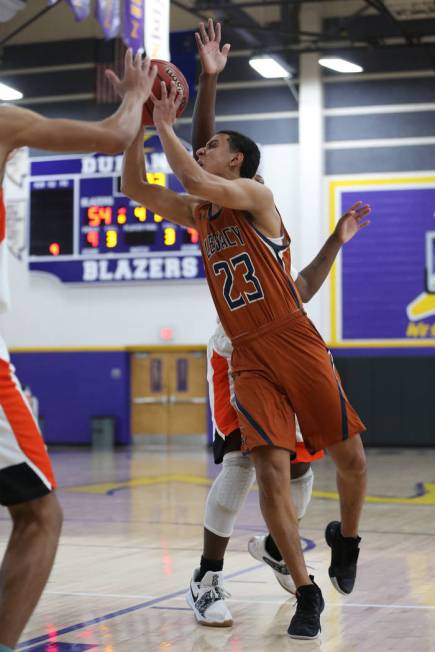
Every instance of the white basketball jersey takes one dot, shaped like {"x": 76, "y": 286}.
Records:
{"x": 4, "y": 279}
{"x": 15, "y": 196}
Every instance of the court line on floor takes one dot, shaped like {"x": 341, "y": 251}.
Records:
{"x": 140, "y": 596}
{"x": 424, "y": 491}
{"x": 347, "y": 605}
{"x": 351, "y": 605}
{"x": 356, "y": 605}
{"x": 122, "y": 612}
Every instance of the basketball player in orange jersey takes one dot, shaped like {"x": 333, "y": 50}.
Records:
{"x": 27, "y": 481}
{"x": 231, "y": 487}
{"x": 281, "y": 366}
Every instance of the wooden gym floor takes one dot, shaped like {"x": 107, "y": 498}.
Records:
{"x": 133, "y": 534}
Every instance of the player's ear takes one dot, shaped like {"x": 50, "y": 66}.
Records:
{"x": 237, "y": 159}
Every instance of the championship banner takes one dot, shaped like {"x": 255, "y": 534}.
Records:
{"x": 80, "y": 8}
{"x": 157, "y": 29}
{"x": 133, "y": 24}
{"x": 108, "y": 13}
{"x": 383, "y": 285}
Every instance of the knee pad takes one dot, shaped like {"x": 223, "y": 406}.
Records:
{"x": 228, "y": 494}
{"x": 301, "y": 490}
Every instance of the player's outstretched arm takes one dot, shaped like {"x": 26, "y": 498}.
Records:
{"x": 213, "y": 61}
{"x": 241, "y": 194}
{"x": 312, "y": 277}
{"x": 174, "y": 207}
{"x": 21, "y": 127}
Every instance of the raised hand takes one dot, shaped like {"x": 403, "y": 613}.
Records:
{"x": 352, "y": 222}
{"x": 208, "y": 39}
{"x": 165, "y": 109}
{"x": 138, "y": 77}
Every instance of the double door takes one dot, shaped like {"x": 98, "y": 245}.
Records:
{"x": 168, "y": 393}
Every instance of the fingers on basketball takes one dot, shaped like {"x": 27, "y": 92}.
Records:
{"x": 166, "y": 75}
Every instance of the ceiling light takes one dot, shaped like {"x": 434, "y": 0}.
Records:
{"x": 269, "y": 67}
{"x": 340, "y": 65}
{"x": 7, "y": 94}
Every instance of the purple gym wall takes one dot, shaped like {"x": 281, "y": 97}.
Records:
{"x": 384, "y": 266}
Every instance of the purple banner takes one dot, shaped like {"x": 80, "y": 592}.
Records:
{"x": 108, "y": 14}
{"x": 388, "y": 270}
{"x": 133, "y": 24}
{"x": 80, "y": 8}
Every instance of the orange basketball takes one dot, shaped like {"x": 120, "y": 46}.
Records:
{"x": 168, "y": 73}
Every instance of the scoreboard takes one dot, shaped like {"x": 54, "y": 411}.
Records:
{"x": 83, "y": 229}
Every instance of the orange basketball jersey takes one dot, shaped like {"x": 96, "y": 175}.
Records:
{"x": 248, "y": 275}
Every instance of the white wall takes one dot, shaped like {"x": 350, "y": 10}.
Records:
{"x": 47, "y": 313}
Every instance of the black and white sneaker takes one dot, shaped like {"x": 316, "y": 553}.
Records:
{"x": 207, "y": 600}
{"x": 257, "y": 549}
{"x": 344, "y": 557}
{"x": 305, "y": 623}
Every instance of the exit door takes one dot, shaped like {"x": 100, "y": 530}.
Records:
{"x": 168, "y": 393}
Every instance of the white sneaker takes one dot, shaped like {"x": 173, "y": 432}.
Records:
{"x": 207, "y": 600}
{"x": 257, "y": 549}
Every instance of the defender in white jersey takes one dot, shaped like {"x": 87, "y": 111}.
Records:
{"x": 26, "y": 477}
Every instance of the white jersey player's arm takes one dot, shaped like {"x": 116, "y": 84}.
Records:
{"x": 20, "y": 127}
{"x": 312, "y": 277}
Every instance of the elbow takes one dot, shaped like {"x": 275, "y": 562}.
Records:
{"x": 305, "y": 292}
{"x": 306, "y": 296}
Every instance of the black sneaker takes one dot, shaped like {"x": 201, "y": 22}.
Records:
{"x": 305, "y": 623}
{"x": 344, "y": 556}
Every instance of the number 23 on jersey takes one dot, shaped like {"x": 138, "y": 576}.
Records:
{"x": 254, "y": 291}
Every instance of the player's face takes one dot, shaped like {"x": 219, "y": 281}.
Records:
{"x": 216, "y": 157}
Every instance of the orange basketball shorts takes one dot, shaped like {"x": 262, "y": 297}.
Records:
{"x": 225, "y": 417}
{"x": 283, "y": 370}
{"x": 25, "y": 468}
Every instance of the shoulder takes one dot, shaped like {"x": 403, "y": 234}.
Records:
{"x": 258, "y": 190}
{"x": 200, "y": 207}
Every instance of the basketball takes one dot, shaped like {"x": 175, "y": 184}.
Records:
{"x": 168, "y": 73}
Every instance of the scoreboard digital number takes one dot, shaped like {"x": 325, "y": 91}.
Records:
{"x": 83, "y": 229}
